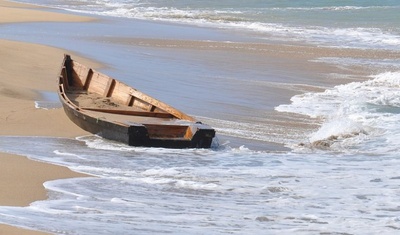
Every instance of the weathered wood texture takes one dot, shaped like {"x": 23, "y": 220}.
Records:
{"x": 112, "y": 109}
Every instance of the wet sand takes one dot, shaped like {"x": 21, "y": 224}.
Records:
{"x": 25, "y": 71}
{"x": 287, "y": 70}
{"x": 291, "y": 57}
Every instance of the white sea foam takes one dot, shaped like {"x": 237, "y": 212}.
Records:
{"x": 47, "y": 105}
{"x": 250, "y": 19}
{"x": 67, "y": 154}
{"x": 356, "y": 37}
{"x": 354, "y": 112}
{"x": 133, "y": 193}
{"x": 160, "y": 172}
{"x": 195, "y": 185}
{"x": 388, "y": 64}
{"x": 268, "y": 132}
{"x": 97, "y": 142}
{"x": 335, "y": 8}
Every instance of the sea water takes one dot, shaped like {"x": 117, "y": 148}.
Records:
{"x": 337, "y": 176}
{"x": 363, "y": 24}
{"x": 198, "y": 191}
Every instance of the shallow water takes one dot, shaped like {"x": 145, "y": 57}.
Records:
{"x": 217, "y": 191}
{"x": 48, "y": 100}
{"x": 361, "y": 24}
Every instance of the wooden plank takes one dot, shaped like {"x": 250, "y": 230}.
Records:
{"x": 110, "y": 88}
{"x": 138, "y": 103}
{"x": 64, "y": 78}
{"x": 130, "y": 101}
{"x": 88, "y": 79}
{"x": 99, "y": 83}
{"x": 189, "y": 133}
{"x": 167, "y": 131}
{"x": 160, "y": 105}
{"x": 121, "y": 93}
{"x": 79, "y": 72}
{"x": 83, "y": 72}
{"x": 131, "y": 112}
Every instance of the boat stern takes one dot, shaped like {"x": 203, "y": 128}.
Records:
{"x": 171, "y": 136}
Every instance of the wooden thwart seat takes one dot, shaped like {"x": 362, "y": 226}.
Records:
{"x": 131, "y": 112}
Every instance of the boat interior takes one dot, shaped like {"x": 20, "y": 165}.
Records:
{"x": 105, "y": 98}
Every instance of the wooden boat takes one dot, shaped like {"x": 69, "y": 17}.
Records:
{"x": 102, "y": 105}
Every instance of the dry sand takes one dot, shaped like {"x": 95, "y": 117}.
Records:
{"x": 16, "y": 12}
{"x": 27, "y": 69}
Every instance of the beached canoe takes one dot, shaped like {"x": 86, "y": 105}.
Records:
{"x": 104, "y": 106}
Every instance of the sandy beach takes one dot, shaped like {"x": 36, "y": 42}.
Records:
{"x": 26, "y": 70}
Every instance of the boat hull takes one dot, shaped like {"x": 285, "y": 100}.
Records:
{"x": 135, "y": 135}
{"x": 181, "y": 133}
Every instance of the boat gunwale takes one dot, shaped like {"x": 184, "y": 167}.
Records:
{"x": 195, "y": 136}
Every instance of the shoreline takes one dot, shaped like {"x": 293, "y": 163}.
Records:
{"x": 27, "y": 70}
{"x": 14, "y": 12}
{"x": 24, "y": 179}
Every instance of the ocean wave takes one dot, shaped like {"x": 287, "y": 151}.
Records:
{"x": 168, "y": 14}
{"x": 388, "y": 64}
{"x": 362, "y": 114}
{"x": 350, "y": 37}
{"x": 334, "y": 8}
{"x": 364, "y": 38}
{"x": 226, "y": 188}
{"x": 267, "y": 23}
